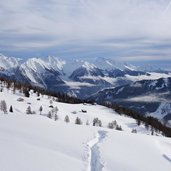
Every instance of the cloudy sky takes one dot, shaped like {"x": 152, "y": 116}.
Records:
{"x": 129, "y": 30}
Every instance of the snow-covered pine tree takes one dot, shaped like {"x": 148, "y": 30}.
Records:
{"x": 3, "y": 106}
{"x": 118, "y": 127}
{"x": 134, "y": 131}
{"x": 112, "y": 124}
{"x": 78, "y": 121}
{"x": 49, "y": 115}
{"x": 97, "y": 122}
{"x": 56, "y": 117}
{"x": 56, "y": 110}
{"x": 66, "y": 119}
{"x": 87, "y": 123}
{"x": 28, "y": 110}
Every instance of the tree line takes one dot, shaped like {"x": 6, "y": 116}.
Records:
{"x": 25, "y": 88}
{"x": 148, "y": 121}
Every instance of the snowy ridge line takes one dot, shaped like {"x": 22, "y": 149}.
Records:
{"x": 94, "y": 158}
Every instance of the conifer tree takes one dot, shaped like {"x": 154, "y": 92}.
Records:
{"x": 111, "y": 125}
{"x": 11, "y": 109}
{"x": 49, "y": 115}
{"x": 97, "y": 122}
{"x": 87, "y": 123}
{"x": 66, "y": 119}
{"x": 3, "y": 106}
{"x": 119, "y": 128}
{"x": 56, "y": 110}
{"x": 28, "y": 110}
{"x": 41, "y": 109}
{"x": 56, "y": 117}
{"x": 26, "y": 93}
{"x": 134, "y": 131}
{"x": 78, "y": 121}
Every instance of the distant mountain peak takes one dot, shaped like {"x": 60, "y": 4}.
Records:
{"x": 56, "y": 63}
{"x": 89, "y": 66}
{"x": 130, "y": 67}
{"x": 8, "y": 62}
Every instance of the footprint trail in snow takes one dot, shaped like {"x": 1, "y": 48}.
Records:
{"x": 94, "y": 158}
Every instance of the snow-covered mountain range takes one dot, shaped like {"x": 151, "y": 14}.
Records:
{"x": 100, "y": 79}
{"x": 151, "y": 97}
{"x": 76, "y": 77}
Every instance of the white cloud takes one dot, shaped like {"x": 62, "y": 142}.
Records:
{"x": 115, "y": 25}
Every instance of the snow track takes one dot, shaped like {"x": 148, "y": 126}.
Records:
{"x": 94, "y": 158}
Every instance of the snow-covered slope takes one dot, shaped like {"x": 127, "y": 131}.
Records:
{"x": 72, "y": 110}
{"x": 37, "y": 143}
{"x": 86, "y": 69}
{"x": 135, "y": 152}
{"x": 42, "y": 72}
{"x": 89, "y": 73}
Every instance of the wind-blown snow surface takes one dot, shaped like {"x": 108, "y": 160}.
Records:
{"x": 37, "y": 143}
{"x": 131, "y": 152}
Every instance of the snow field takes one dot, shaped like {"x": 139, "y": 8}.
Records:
{"x": 92, "y": 111}
{"x": 135, "y": 152}
{"x": 37, "y": 143}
